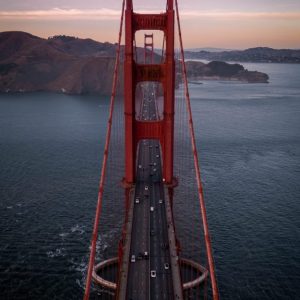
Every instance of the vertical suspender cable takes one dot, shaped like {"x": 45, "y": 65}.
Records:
{"x": 197, "y": 169}
{"x": 104, "y": 163}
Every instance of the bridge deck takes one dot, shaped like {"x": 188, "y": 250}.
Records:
{"x": 150, "y": 267}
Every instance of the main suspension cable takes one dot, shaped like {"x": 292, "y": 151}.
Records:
{"x": 104, "y": 163}
{"x": 197, "y": 169}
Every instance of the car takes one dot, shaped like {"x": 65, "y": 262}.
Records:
{"x": 154, "y": 170}
{"x": 132, "y": 258}
{"x": 153, "y": 273}
{"x": 166, "y": 266}
{"x": 151, "y": 208}
{"x": 164, "y": 245}
{"x": 140, "y": 166}
{"x": 160, "y": 201}
{"x": 146, "y": 188}
{"x": 152, "y": 232}
{"x": 157, "y": 155}
{"x": 137, "y": 200}
{"x": 140, "y": 256}
{"x": 146, "y": 255}
{"x": 154, "y": 164}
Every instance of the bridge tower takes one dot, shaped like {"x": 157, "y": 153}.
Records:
{"x": 164, "y": 73}
{"x": 148, "y": 48}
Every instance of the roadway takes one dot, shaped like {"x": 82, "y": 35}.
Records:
{"x": 149, "y": 247}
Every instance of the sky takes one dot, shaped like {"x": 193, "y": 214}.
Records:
{"x": 229, "y": 24}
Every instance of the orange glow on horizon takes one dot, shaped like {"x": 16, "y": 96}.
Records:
{"x": 231, "y": 30}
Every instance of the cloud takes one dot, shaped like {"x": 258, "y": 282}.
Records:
{"x": 62, "y": 14}
{"x": 111, "y": 14}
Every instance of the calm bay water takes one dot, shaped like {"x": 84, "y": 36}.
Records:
{"x": 248, "y": 138}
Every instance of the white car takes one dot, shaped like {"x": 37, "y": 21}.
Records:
{"x": 167, "y": 266}
{"x": 140, "y": 166}
{"x": 157, "y": 155}
{"x": 160, "y": 201}
{"x": 137, "y": 200}
{"x": 132, "y": 258}
{"x": 146, "y": 187}
{"x": 153, "y": 273}
{"x": 151, "y": 208}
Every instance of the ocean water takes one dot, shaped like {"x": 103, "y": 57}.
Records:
{"x": 248, "y": 137}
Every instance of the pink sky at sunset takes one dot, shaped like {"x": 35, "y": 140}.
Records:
{"x": 232, "y": 24}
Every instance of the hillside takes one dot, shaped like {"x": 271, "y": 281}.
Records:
{"x": 77, "y": 66}
{"x": 67, "y": 64}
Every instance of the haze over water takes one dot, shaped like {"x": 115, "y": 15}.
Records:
{"x": 248, "y": 138}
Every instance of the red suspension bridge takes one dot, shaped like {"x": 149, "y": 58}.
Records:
{"x": 152, "y": 260}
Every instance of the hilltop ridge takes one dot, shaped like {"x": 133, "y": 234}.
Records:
{"x": 257, "y": 54}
